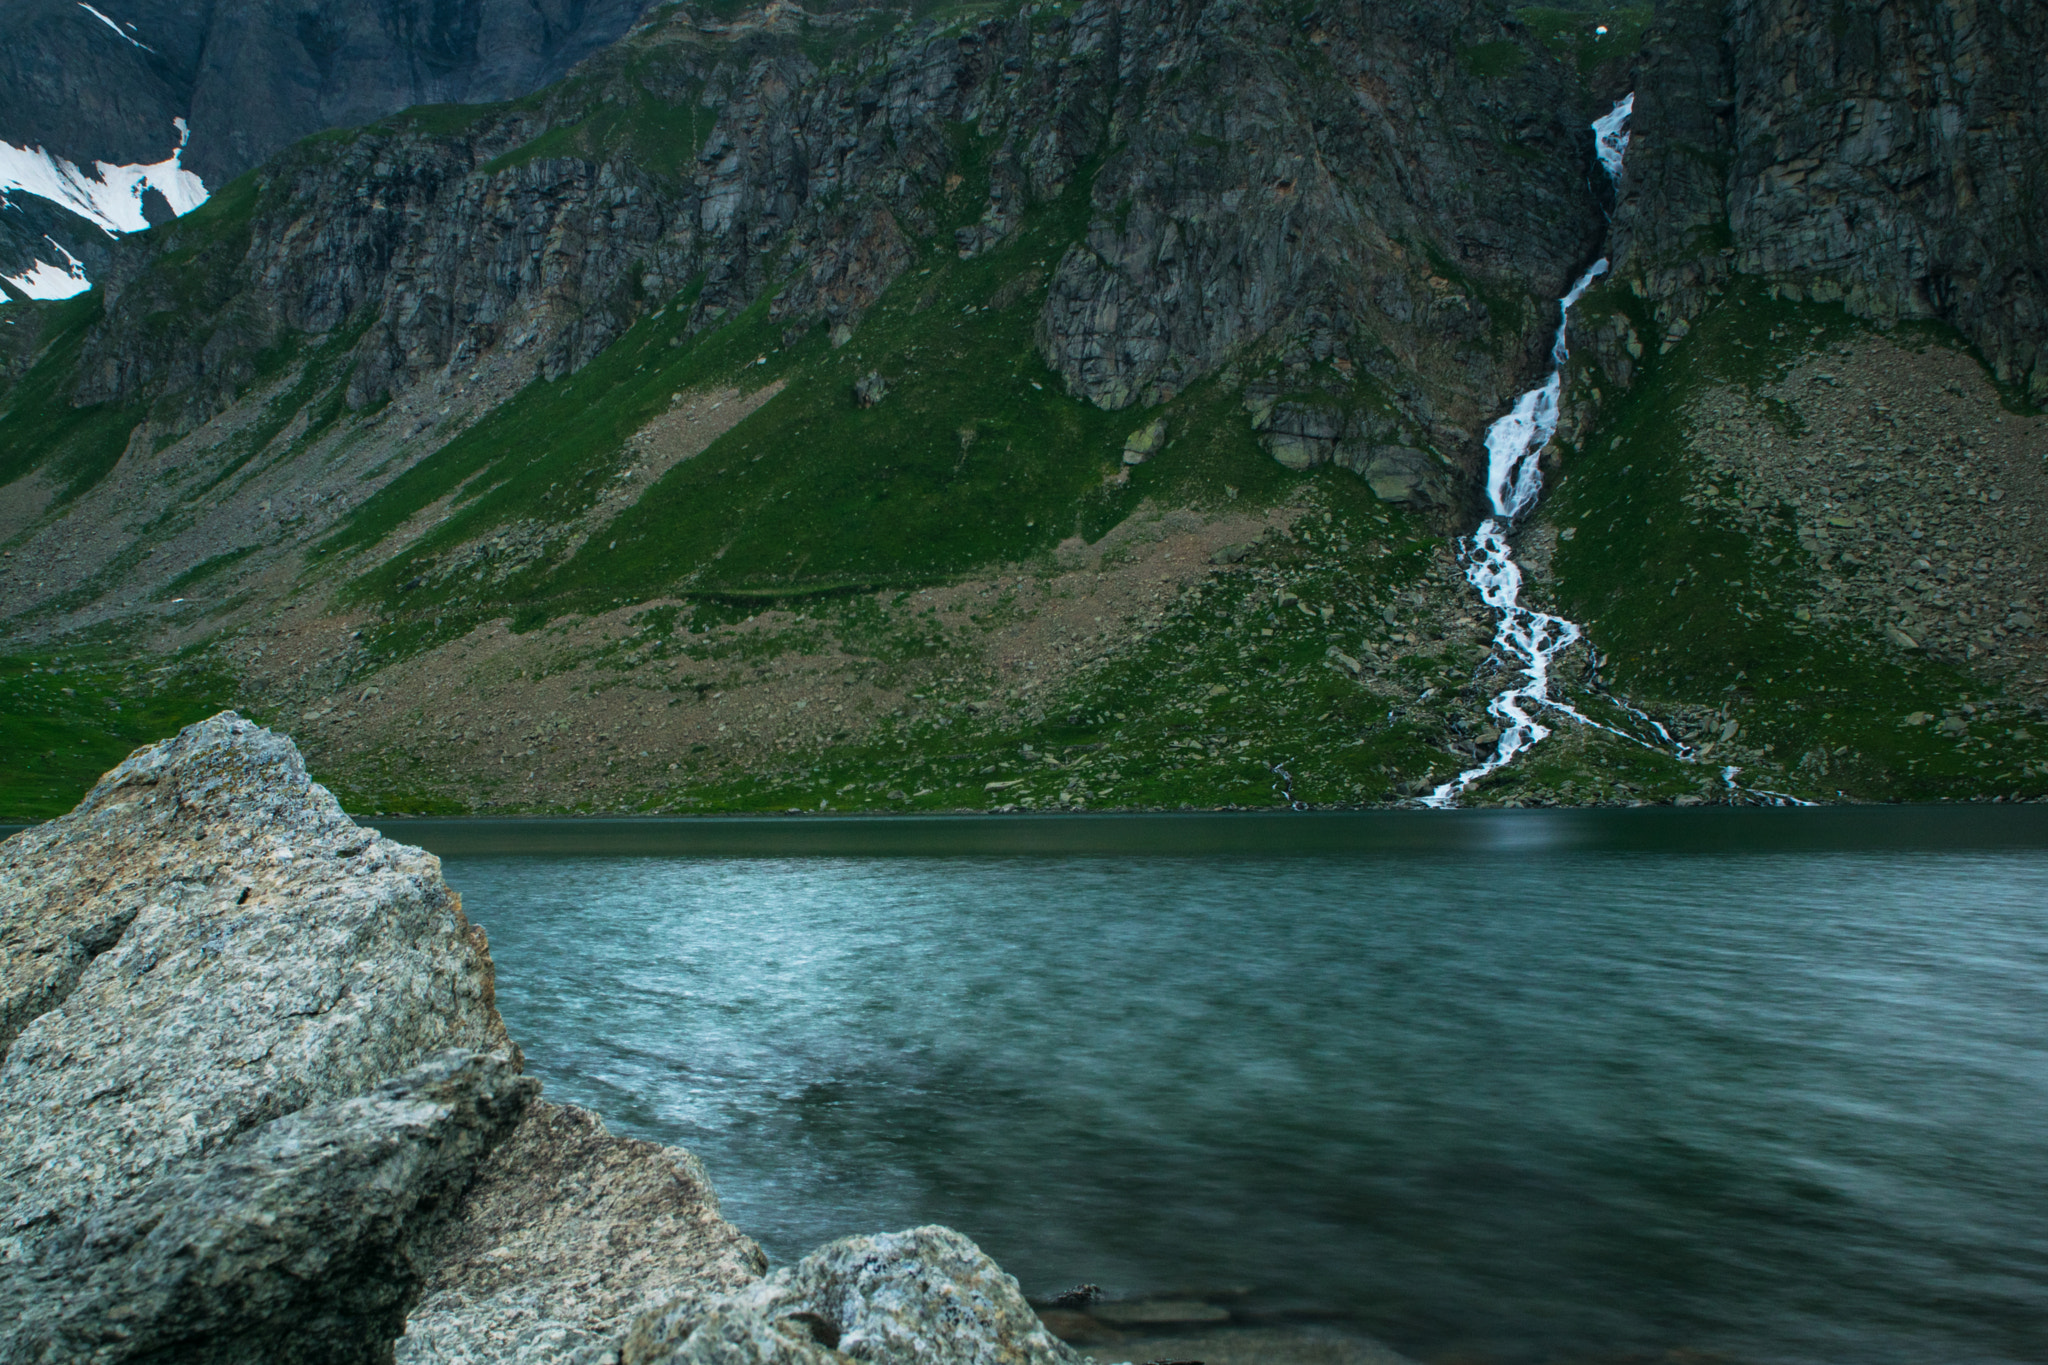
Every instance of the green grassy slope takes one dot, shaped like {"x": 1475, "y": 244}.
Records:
{"x": 67, "y": 717}
{"x": 1692, "y": 608}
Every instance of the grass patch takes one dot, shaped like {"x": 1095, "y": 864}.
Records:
{"x": 203, "y": 570}
{"x": 1494, "y": 61}
{"x": 66, "y": 718}
{"x": 39, "y": 427}
{"x": 1573, "y": 34}
{"x": 1690, "y": 608}
{"x": 976, "y": 455}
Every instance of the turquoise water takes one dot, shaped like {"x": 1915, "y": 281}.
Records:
{"x": 1511, "y": 1098}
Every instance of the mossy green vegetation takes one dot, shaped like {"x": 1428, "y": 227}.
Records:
{"x": 40, "y": 429}
{"x": 1242, "y": 692}
{"x": 1692, "y": 608}
{"x": 975, "y": 456}
{"x": 1494, "y": 61}
{"x": 69, "y": 716}
{"x": 1574, "y": 33}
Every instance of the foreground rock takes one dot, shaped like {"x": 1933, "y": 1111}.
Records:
{"x": 207, "y": 943}
{"x": 261, "y": 1108}
{"x": 298, "y": 1242}
{"x": 568, "y": 1234}
{"x": 928, "y": 1294}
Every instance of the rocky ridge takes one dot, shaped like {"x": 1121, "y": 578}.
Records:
{"x": 263, "y": 1109}
{"x": 828, "y": 200}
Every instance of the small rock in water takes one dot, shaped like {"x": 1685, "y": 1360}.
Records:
{"x": 1080, "y": 1296}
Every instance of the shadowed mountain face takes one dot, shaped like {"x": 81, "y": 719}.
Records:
{"x": 254, "y": 76}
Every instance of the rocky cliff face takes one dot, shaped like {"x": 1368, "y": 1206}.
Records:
{"x": 263, "y": 1109}
{"x": 1352, "y": 187}
{"x": 1883, "y": 156}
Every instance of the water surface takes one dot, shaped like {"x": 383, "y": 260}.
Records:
{"x": 1507, "y": 1099}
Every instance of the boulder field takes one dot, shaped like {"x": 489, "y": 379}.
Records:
{"x": 261, "y": 1107}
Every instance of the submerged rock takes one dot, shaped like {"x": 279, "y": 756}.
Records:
{"x": 261, "y": 1108}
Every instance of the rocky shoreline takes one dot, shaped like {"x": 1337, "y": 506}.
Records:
{"x": 261, "y": 1107}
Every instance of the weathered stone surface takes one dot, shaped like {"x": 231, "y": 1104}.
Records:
{"x": 205, "y": 944}
{"x": 928, "y": 1294}
{"x": 1302, "y": 435}
{"x": 1880, "y": 156}
{"x": 297, "y": 1242}
{"x": 1142, "y": 444}
{"x": 262, "y": 1111}
{"x": 569, "y": 1234}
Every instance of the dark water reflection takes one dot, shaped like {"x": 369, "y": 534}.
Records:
{"x": 1511, "y": 1102}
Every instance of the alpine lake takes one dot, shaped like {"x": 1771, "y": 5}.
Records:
{"x": 1483, "y": 1088}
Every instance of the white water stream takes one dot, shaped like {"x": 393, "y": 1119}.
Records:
{"x": 1528, "y": 638}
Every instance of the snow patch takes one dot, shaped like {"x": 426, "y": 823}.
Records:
{"x": 123, "y": 32}
{"x": 109, "y": 196}
{"x": 46, "y": 281}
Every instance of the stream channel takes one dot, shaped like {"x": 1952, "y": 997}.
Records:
{"x": 1514, "y": 1087}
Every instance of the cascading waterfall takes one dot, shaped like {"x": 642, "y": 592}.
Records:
{"x": 1514, "y": 479}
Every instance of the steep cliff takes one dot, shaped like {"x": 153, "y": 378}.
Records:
{"x": 253, "y": 78}
{"x": 1884, "y": 156}
{"x": 122, "y": 84}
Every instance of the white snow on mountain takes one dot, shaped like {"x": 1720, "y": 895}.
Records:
{"x": 116, "y": 27}
{"x": 46, "y": 281}
{"x": 109, "y": 197}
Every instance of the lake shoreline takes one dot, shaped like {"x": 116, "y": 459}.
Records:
{"x": 1661, "y": 829}
{"x": 1311, "y": 833}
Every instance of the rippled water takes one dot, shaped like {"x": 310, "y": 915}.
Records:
{"x": 1487, "y": 1106}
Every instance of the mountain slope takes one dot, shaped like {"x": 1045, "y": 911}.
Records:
{"x": 1056, "y": 406}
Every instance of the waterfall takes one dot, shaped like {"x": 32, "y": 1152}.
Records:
{"x": 1514, "y": 478}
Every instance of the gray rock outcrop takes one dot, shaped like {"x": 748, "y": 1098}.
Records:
{"x": 1873, "y": 155}
{"x": 1346, "y": 191}
{"x": 261, "y": 1108}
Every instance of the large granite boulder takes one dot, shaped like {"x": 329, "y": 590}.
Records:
{"x": 568, "y": 1235}
{"x": 297, "y": 1243}
{"x": 260, "y": 1107}
{"x": 208, "y": 943}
